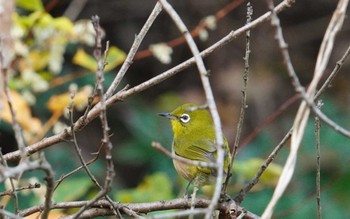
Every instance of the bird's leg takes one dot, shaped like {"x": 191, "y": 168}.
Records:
{"x": 187, "y": 189}
{"x": 193, "y": 200}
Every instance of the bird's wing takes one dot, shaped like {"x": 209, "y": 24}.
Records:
{"x": 203, "y": 150}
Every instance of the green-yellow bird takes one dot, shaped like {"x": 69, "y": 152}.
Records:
{"x": 194, "y": 139}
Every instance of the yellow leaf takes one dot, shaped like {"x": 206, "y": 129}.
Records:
{"x": 32, "y": 5}
{"x": 63, "y": 24}
{"x": 30, "y": 20}
{"x": 115, "y": 57}
{"x": 58, "y": 103}
{"x": 85, "y": 60}
{"x": 29, "y": 124}
{"x": 38, "y": 59}
{"x": 45, "y": 20}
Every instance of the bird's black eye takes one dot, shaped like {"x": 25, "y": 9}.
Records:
{"x": 185, "y": 118}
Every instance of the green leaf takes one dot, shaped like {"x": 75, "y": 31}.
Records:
{"x": 248, "y": 168}
{"x": 154, "y": 187}
{"x": 31, "y": 5}
{"x": 80, "y": 186}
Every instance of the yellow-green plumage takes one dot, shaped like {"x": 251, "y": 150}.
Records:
{"x": 194, "y": 139}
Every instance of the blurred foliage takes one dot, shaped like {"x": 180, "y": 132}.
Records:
{"x": 40, "y": 43}
{"x": 247, "y": 169}
{"x": 154, "y": 187}
{"x": 80, "y": 186}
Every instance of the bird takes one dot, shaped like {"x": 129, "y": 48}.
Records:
{"x": 195, "y": 139}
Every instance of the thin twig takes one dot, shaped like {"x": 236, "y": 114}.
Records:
{"x": 244, "y": 96}
{"x": 29, "y": 187}
{"x": 138, "y": 39}
{"x": 270, "y": 118}
{"x": 318, "y": 164}
{"x": 60, "y": 180}
{"x": 12, "y": 184}
{"x": 78, "y": 151}
{"x": 50, "y": 184}
{"x": 76, "y": 145}
{"x": 239, "y": 198}
{"x": 326, "y": 119}
{"x": 89, "y": 106}
{"x": 103, "y": 117}
{"x": 335, "y": 71}
{"x": 299, "y": 122}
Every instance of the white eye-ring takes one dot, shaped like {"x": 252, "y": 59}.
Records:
{"x": 185, "y": 118}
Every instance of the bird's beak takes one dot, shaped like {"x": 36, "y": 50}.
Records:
{"x": 167, "y": 115}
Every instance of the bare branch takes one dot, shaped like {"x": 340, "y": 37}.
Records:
{"x": 76, "y": 145}
{"x": 143, "y": 208}
{"x": 58, "y": 182}
{"x": 244, "y": 95}
{"x": 29, "y": 187}
{"x": 50, "y": 184}
{"x": 239, "y": 198}
{"x": 335, "y": 71}
{"x": 318, "y": 164}
{"x": 138, "y": 39}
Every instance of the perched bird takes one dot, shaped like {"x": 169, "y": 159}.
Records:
{"x": 194, "y": 139}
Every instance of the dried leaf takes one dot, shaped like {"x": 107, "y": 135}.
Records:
{"x": 29, "y": 124}
{"x": 57, "y": 104}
